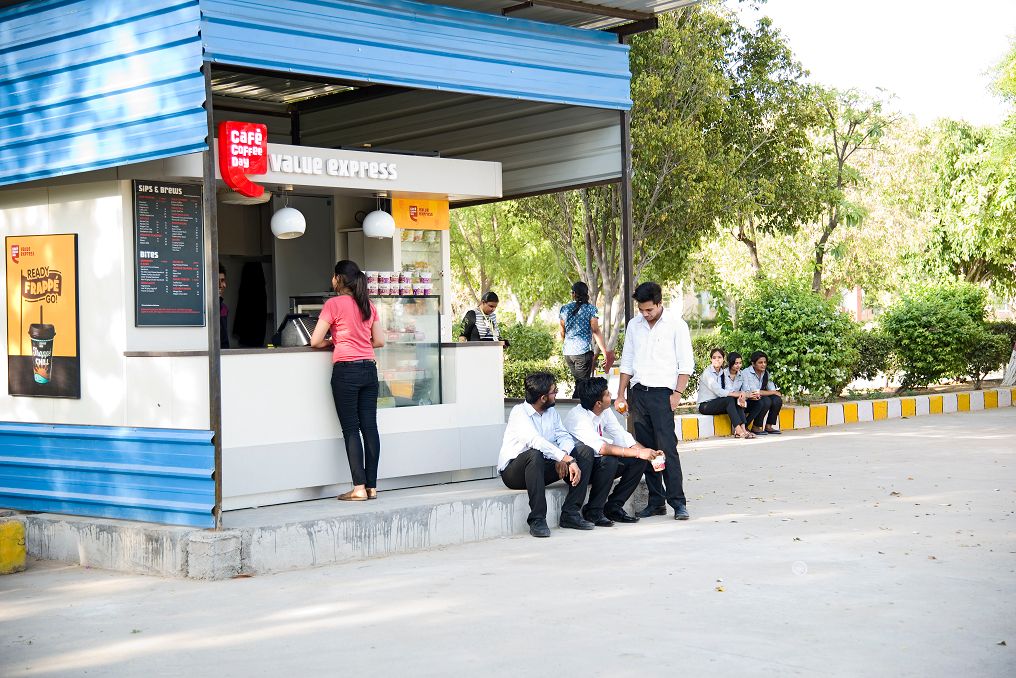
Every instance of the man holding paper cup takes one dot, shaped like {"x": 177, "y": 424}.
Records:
{"x": 656, "y": 363}
{"x": 616, "y": 454}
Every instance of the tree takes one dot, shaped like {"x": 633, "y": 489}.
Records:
{"x": 499, "y": 247}
{"x": 766, "y": 130}
{"x": 680, "y": 89}
{"x": 852, "y": 122}
{"x": 973, "y": 205}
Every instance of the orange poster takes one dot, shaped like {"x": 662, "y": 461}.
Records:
{"x": 429, "y": 215}
{"x": 42, "y": 316}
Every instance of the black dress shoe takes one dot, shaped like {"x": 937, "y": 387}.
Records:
{"x": 650, "y": 511}
{"x": 681, "y": 512}
{"x": 539, "y": 528}
{"x": 603, "y": 521}
{"x": 576, "y": 523}
{"x": 620, "y": 516}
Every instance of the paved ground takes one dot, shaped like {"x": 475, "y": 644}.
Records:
{"x": 883, "y": 549}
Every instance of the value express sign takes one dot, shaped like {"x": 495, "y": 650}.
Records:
{"x": 243, "y": 152}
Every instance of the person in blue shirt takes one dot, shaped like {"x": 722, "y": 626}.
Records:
{"x": 580, "y": 327}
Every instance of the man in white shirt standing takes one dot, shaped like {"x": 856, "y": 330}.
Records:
{"x": 538, "y": 451}
{"x": 617, "y": 454}
{"x": 655, "y": 365}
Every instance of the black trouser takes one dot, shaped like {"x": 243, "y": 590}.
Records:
{"x": 605, "y": 470}
{"x": 654, "y": 428}
{"x": 354, "y": 388}
{"x": 765, "y": 409}
{"x": 531, "y": 471}
{"x": 724, "y": 405}
{"x": 581, "y": 366}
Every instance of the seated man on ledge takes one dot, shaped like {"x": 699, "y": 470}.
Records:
{"x": 617, "y": 455}
{"x": 538, "y": 451}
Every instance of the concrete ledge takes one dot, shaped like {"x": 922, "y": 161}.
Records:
{"x": 293, "y": 536}
{"x": 817, "y": 415}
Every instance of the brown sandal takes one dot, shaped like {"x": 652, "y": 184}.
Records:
{"x": 351, "y": 496}
{"x": 371, "y": 493}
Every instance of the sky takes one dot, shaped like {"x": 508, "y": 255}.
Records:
{"x": 933, "y": 55}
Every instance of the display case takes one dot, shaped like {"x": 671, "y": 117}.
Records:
{"x": 409, "y": 365}
{"x": 421, "y": 257}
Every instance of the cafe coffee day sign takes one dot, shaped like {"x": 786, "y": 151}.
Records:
{"x": 430, "y": 215}
{"x": 42, "y": 316}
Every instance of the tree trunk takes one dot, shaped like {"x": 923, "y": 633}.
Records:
{"x": 742, "y": 236}
{"x": 816, "y": 278}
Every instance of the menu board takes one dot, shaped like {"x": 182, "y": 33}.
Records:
{"x": 168, "y": 255}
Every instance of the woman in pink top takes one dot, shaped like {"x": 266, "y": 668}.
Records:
{"x": 356, "y": 332}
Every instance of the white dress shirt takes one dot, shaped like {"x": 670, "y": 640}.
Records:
{"x": 710, "y": 385}
{"x": 592, "y": 430}
{"x": 529, "y": 429}
{"x": 654, "y": 356}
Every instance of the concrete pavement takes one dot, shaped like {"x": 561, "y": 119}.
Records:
{"x": 887, "y": 548}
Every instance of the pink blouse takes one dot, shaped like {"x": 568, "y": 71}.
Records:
{"x": 350, "y": 332}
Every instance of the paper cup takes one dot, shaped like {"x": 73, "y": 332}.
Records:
{"x": 372, "y": 288}
{"x": 405, "y": 277}
{"x": 425, "y": 276}
{"x": 659, "y": 463}
{"x": 372, "y": 277}
{"x": 406, "y": 289}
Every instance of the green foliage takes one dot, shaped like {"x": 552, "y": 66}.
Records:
{"x": 528, "y": 342}
{"x": 986, "y": 352}
{"x": 809, "y": 342}
{"x": 1006, "y": 328}
{"x": 516, "y": 371}
{"x": 932, "y": 333}
{"x": 973, "y": 205}
{"x": 874, "y": 355}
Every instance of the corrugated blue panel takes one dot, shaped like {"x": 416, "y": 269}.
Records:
{"x": 87, "y": 85}
{"x": 156, "y": 475}
{"x": 417, "y": 45}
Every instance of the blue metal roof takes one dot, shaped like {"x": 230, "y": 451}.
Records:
{"x": 413, "y": 44}
{"x": 155, "y": 475}
{"x": 87, "y": 85}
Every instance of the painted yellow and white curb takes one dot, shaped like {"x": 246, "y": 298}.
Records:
{"x": 792, "y": 418}
{"x": 12, "y": 545}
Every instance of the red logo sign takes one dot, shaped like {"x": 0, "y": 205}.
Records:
{"x": 412, "y": 212}
{"x": 243, "y": 150}
{"x": 14, "y": 253}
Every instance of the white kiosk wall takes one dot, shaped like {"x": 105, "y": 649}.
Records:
{"x": 115, "y": 390}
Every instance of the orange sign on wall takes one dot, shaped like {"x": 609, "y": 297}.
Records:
{"x": 431, "y": 215}
{"x": 42, "y": 316}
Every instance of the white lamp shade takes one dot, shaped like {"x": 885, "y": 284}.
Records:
{"x": 288, "y": 223}
{"x": 379, "y": 224}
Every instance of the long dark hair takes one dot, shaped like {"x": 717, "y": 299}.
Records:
{"x": 352, "y": 278}
{"x": 581, "y": 292}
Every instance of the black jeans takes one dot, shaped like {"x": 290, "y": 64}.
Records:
{"x": 724, "y": 405}
{"x": 766, "y": 409}
{"x": 605, "y": 470}
{"x": 581, "y": 366}
{"x": 531, "y": 471}
{"x": 354, "y": 388}
{"x": 654, "y": 428}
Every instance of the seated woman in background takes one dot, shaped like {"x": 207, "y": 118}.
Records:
{"x": 480, "y": 323}
{"x": 734, "y": 365}
{"x": 716, "y": 395}
{"x": 764, "y": 401}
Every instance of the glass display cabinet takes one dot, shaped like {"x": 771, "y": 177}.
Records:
{"x": 409, "y": 365}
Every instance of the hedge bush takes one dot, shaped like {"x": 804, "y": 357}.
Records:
{"x": 987, "y": 351}
{"x": 516, "y": 371}
{"x": 935, "y": 334}
{"x": 810, "y": 343}
{"x": 874, "y": 355}
{"x": 528, "y": 342}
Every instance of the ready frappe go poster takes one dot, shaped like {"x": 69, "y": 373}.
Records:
{"x": 42, "y": 316}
